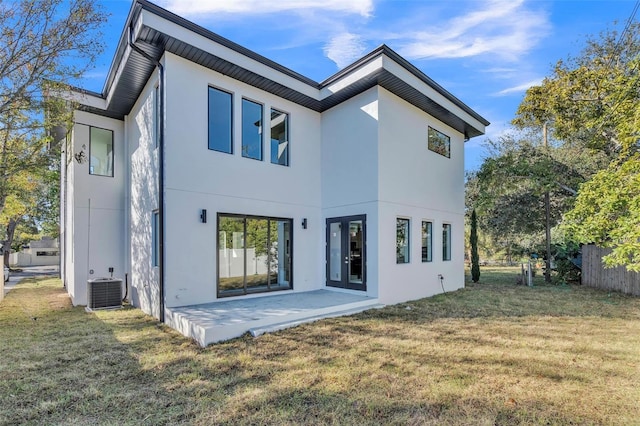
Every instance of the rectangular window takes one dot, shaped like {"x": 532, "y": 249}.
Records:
{"x": 101, "y": 152}
{"x": 427, "y": 228}
{"x": 156, "y": 116}
{"x": 251, "y": 130}
{"x": 402, "y": 240}
{"x": 446, "y": 241}
{"x": 439, "y": 142}
{"x": 279, "y": 137}
{"x": 155, "y": 238}
{"x": 220, "y": 121}
{"x": 254, "y": 254}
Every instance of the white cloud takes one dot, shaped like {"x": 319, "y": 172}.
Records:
{"x": 344, "y": 48}
{"x": 192, "y": 8}
{"x": 519, "y": 88}
{"x": 506, "y": 29}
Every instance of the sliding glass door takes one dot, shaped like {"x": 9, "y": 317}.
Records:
{"x": 254, "y": 254}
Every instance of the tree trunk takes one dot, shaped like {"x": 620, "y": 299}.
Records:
{"x": 11, "y": 229}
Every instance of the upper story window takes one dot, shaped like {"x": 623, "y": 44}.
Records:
{"x": 446, "y": 241}
{"x": 100, "y": 152}
{"x": 402, "y": 240}
{"x": 279, "y": 137}
{"x": 427, "y": 228}
{"x": 220, "y": 120}
{"x": 251, "y": 130}
{"x": 439, "y": 142}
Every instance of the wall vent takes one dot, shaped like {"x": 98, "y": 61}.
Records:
{"x": 104, "y": 293}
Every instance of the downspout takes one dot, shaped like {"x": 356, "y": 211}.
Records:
{"x": 160, "y": 168}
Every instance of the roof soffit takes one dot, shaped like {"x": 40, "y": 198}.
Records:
{"x": 157, "y": 31}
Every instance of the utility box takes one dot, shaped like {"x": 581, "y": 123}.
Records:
{"x": 104, "y": 293}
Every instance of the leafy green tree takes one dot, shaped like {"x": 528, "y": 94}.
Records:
{"x": 607, "y": 212}
{"x": 593, "y": 102}
{"x": 45, "y": 45}
{"x": 473, "y": 242}
{"x": 589, "y": 99}
{"x": 508, "y": 192}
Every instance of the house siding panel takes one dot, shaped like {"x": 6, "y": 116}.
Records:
{"x": 198, "y": 178}
{"x": 421, "y": 185}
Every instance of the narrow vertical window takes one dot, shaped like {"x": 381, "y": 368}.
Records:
{"x": 156, "y": 116}
{"x": 101, "y": 152}
{"x": 155, "y": 239}
{"x": 427, "y": 228}
{"x": 251, "y": 130}
{"x": 220, "y": 121}
{"x": 446, "y": 241}
{"x": 402, "y": 240}
{"x": 279, "y": 137}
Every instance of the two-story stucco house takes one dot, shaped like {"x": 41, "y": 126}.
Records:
{"x": 208, "y": 175}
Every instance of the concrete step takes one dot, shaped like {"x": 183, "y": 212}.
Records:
{"x": 216, "y": 322}
{"x": 257, "y": 331}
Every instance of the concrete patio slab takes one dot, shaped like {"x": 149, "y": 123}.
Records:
{"x": 218, "y": 321}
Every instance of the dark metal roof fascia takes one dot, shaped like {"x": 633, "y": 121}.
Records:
{"x": 386, "y": 50}
{"x": 405, "y": 91}
{"x": 123, "y": 44}
{"x": 172, "y": 17}
{"x": 215, "y": 63}
{"x": 263, "y": 83}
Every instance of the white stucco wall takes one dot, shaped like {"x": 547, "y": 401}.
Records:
{"x": 198, "y": 178}
{"x": 420, "y": 185}
{"x": 95, "y": 211}
{"x": 350, "y": 170}
{"x": 141, "y": 200}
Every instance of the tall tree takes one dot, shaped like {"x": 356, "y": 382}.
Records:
{"x": 473, "y": 242}
{"x": 44, "y": 45}
{"x": 593, "y": 102}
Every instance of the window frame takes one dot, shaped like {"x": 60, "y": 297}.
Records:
{"x": 407, "y": 244}
{"x": 113, "y": 151}
{"x": 155, "y": 238}
{"x": 427, "y": 250}
{"x": 211, "y": 88}
{"x": 287, "y": 136}
{"x": 431, "y": 148}
{"x": 261, "y": 105}
{"x": 446, "y": 241}
{"x": 245, "y": 290}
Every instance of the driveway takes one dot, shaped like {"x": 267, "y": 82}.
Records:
{"x": 27, "y": 272}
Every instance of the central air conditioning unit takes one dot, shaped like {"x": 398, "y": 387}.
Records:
{"x": 104, "y": 293}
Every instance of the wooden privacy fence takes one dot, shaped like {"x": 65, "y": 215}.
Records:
{"x": 594, "y": 274}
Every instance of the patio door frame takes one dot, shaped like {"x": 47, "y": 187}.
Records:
{"x": 348, "y": 258}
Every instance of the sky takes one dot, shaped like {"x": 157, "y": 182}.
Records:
{"x": 485, "y": 52}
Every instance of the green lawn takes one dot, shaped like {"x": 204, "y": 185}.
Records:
{"x": 493, "y": 353}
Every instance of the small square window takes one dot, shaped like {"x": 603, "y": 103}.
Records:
{"x": 439, "y": 142}
{"x": 402, "y": 240}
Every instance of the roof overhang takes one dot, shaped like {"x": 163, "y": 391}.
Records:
{"x": 156, "y": 31}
